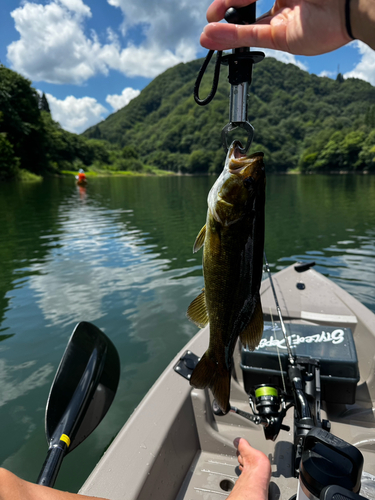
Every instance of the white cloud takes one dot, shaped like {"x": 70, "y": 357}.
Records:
{"x": 54, "y": 47}
{"x": 328, "y": 74}
{"x": 147, "y": 61}
{"x": 87, "y": 276}
{"x": 365, "y": 69}
{"x": 120, "y": 101}
{"x": 77, "y": 6}
{"x": 170, "y": 22}
{"x": 285, "y": 57}
{"x": 76, "y": 115}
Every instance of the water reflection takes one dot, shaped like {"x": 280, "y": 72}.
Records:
{"x": 12, "y": 387}
{"x": 350, "y": 263}
{"x": 119, "y": 254}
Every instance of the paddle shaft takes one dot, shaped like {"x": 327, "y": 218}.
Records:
{"x": 52, "y": 464}
{"x": 74, "y": 412}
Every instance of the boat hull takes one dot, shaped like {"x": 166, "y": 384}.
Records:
{"x": 174, "y": 447}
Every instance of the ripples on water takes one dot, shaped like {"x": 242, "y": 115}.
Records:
{"x": 351, "y": 264}
{"x": 119, "y": 254}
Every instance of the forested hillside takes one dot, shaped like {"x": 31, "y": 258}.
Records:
{"x": 31, "y": 140}
{"x": 301, "y": 121}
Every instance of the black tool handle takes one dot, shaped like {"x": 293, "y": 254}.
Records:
{"x": 243, "y": 15}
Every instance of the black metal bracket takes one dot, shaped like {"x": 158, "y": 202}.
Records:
{"x": 186, "y": 364}
{"x": 301, "y": 267}
{"x": 241, "y": 65}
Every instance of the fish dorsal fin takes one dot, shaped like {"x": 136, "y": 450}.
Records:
{"x": 197, "y": 311}
{"x": 252, "y": 334}
{"x": 199, "y": 241}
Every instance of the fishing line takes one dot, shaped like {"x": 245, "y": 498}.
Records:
{"x": 290, "y": 354}
{"x": 274, "y": 326}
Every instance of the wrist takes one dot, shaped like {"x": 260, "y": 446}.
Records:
{"x": 362, "y": 20}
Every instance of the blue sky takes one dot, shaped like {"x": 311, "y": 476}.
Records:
{"x": 91, "y": 57}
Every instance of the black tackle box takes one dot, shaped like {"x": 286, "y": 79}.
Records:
{"x": 333, "y": 346}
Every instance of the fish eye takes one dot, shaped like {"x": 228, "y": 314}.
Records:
{"x": 249, "y": 182}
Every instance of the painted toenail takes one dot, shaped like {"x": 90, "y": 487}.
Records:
{"x": 236, "y": 442}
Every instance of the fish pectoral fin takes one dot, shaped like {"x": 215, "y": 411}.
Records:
{"x": 197, "y": 311}
{"x": 252, "y": 334}
{"x": 209, "y": 373}
{"x": 199, "y": 241}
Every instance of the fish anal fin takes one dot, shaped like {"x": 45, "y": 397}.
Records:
{"x": 208, "y": 373}
{"x": 252, "y": 334}
{"x": 197, "y": 311}
{"x": 199, "y": 241}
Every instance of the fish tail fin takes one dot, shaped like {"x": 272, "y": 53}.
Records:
{"x": 208, "y": 373}
{"x": 254, "y": 331}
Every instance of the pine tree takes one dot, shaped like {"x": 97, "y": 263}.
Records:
{"x": 339, "y": 78}
{"x": 96, "y": 134}
{"x": 370, "y": 117}
{"x": 43, "y": 104}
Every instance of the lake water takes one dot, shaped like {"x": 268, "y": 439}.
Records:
{"x": 119, "y": 254}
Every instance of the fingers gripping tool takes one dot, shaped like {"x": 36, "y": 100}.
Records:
{"x": 240, "y": 63}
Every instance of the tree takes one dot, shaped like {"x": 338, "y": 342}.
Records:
{"x": 96, "y": 134}
{"x": 294, "y": 115}
{"x": 43, "y": 103}
{"x": 367, "y": 153}
{"x": 21, "y": 120}
{"x": 129, "y": 152}
{"x": 199, "y": 161}
{"x": 8, "y": 162}
{"x": 339, "y": 78}
{"x": 370, "y": 117}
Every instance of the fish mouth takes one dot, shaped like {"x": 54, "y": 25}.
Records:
{"x": 242, "y": 164}
{"x": 237, "y": 153}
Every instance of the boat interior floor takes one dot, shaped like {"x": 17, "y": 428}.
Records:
{"x": 175, "y": 447}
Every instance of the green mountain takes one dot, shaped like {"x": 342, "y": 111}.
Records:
{"x": 301, "y": 121}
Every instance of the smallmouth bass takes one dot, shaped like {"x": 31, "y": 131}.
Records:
{"x": 233, "y": 240}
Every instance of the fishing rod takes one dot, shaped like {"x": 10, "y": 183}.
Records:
{"x": 282, "y": 324}
{"x": 268, "y": 404}
{"x": 326, "y": 466}
{"x": 312, "y": 438}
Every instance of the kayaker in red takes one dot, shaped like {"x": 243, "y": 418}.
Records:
{"x": 81, "y": 178}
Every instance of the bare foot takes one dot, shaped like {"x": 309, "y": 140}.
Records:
{"x": 255, "y": 473}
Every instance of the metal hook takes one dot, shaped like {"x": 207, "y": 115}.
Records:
{"x": 231, "y": 126}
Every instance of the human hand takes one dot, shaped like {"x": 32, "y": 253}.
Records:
{"x": 303, "y": 27}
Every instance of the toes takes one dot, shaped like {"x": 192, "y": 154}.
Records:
{"x": 247, "y": 454}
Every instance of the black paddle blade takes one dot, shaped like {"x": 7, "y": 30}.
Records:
{"x": 84, "y": 387}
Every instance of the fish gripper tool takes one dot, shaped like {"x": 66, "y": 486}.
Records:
{"x": 240, "y": 63}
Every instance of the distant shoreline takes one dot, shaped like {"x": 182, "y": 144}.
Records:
{"x": 165, "y": 173}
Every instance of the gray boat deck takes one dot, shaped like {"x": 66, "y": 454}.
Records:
{"x": 173, "y": 447}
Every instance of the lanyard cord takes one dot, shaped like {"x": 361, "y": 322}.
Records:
{"x": 215, "y": 82}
